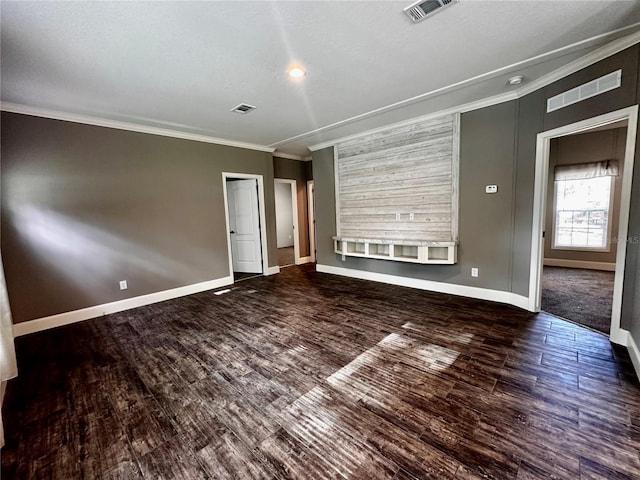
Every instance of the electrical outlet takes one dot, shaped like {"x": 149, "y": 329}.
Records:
{"x": 474, "y": 272}
{"x": 123, "y": 285}
{"x": 411, "y": 216}
{"x": 491, "y": 189}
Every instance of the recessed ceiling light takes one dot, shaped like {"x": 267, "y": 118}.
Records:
{"x": 296, "y": 72}
{"x": 515, "y": 80}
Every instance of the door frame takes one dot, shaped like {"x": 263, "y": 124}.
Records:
{"x": 311, "y": 216}
{"x": 263, "y": 222}
{"x": 630, "y": 114}
{"x": 294, "y": 213}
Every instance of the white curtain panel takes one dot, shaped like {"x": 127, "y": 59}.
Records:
{"x": 582, "y": 171}
{"x": 8, "y": 366}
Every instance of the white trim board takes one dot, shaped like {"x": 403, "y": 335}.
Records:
{"x": 467, "y": 107}
{"x": 261, "y": 209}
{"x": 311, "y": 219}
{"x": 560, "y": 262}
{"x": 291, "y": 156}
{"x": 430, "y": 285}
{"x": 95, "y": 311}
{"x": 634, "y": 353}
{"x": 131, "y": 127}
{"x": 293, "y": 187}
{"x": 272, "y": 270}
{"x": 304, "y": 260}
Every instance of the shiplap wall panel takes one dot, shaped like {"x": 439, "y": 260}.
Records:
{"x": 410, "y": 169}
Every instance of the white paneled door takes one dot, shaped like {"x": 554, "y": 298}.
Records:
{"x": 244, "y": 224}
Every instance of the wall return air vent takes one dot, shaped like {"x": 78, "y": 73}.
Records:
{"x": 422, "y": 9}
{"x": 590, "y": 89}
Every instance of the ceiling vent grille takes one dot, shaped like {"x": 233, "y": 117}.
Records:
{"x": 243, "y": 108}
{"x": 425, "y": 8}
{"x": 595, "y": 87}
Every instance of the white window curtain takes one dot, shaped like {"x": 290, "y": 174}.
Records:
{"x": 582, "y": 171}
{"x": 8, "y": 366}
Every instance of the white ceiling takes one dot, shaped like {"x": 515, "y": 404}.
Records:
{"x": 184, "y": 65}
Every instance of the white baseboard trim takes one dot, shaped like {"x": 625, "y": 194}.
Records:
{"x": 272, "y": 270}
{"x": 304, "y": 260}
{"x": 559, "y": 262}
{"x": 634, "y": 353}
{"x": 74, "y": 316}
{"x": 440, "y": 287}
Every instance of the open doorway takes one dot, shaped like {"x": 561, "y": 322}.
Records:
{"x": 575, "y": 218}
{"x": 311, "y": 207}
{"x": 287, "y": 240}
{"x": 581, "y": 227}
{"x": 245, "y": 220}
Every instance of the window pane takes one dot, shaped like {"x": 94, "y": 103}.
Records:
{"x": 582, "y": 212}
{"x": 563, "y": 237}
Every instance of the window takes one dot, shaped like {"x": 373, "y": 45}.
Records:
{"x": 582, "y": 213}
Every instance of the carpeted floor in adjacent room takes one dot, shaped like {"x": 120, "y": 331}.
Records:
{"x": 286, "y": 256}
{"x": 582, "y": 296}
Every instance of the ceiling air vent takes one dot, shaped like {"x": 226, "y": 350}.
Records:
{"x": 422, "y": 9}
{"x": 243, "y": 108}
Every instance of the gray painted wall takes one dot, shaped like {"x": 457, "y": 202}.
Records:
{"x": 584, "y": 148}
{"x": 84, "y": 207}
{"x": 299, "y": 171}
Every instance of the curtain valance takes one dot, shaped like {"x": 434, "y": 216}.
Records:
{"x": 582, "y": 171}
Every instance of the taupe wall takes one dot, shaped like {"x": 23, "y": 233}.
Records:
{"x": 84, "y": 207}
{"x": 486, "y": 220}
{"x": 498, "y": 145}
{"x": 299, "y": 171}
{"x": 584, "y": 148}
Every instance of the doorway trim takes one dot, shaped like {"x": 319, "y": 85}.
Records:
{"x": 630, "y": 114}
{"x": 263, "y": 222}
{"x": 294, "y": 214}
{"x": 311, "y": 216}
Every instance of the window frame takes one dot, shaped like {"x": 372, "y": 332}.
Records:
{"x": 607, "y": 247}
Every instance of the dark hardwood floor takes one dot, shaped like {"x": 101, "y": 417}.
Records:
{"x": 305, "y": 375}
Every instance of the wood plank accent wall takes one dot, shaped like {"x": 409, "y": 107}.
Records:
{"x": 412, "y": 169}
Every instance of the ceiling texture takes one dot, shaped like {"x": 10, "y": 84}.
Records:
{"x": 184, "y": 65}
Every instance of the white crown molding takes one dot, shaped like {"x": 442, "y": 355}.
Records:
{"x": 570, "y": 68}
{"x": 66, "y": 318}
{"x": 467, "y": 107}
{"x": 291, "y": 156}
{"x": 440, "y": 287}
{"x": 580, "y": 63}
{"x": 132, "y": 127}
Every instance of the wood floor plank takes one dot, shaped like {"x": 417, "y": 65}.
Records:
{"x": 310, "y": 376}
